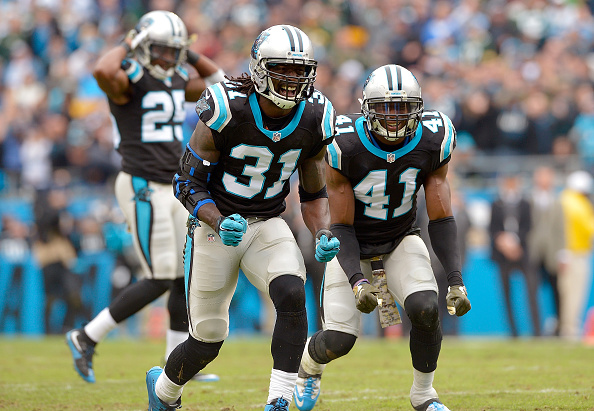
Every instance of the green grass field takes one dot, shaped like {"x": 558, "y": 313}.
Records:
{"x": 473, "y": 374}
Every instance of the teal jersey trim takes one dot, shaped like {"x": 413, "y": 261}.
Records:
{"x": 144, "y": 211}
{"x": 360, "y": 127}
{"x": 275, "y": 134}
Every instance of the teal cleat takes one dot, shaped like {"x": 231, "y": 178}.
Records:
{"x": 82, "y": 354}
{"x": 279, "y": 404}
{"x": 155, "y": 403}
{"x": 306, "y": 392}
{"x": 431, "y": 405}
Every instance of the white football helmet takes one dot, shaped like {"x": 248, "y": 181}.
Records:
{"x": 283, "y": 45}
{"x": 392, "y": 103}
{"x": 160, "y": 30}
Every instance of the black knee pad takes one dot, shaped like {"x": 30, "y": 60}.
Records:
{"x": 287, "y": 293}
{"x": 188, "y": 358}
{"x": 425, "y": 333}
{"x": 422, "y": 310}
{"x": 176, "y": 305}
{"x": 329, "y": 345}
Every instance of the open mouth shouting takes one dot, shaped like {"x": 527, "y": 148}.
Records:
{"x": 287, "y": 90}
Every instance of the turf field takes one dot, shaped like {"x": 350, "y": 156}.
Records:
{"x": 473, "y": 374}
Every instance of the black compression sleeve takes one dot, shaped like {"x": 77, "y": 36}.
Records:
{"x": 444, "y": 240}
{"x": 349, "y": 255}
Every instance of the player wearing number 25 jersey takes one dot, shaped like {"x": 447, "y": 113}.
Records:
{"x": 146, "y": 82}
{"x": 377, "y": 163}
{"x": 254, "y": 133}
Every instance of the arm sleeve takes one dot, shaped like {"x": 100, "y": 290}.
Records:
{"x": 190, "y": 183}
{"x": 443, "y": 234}
{"x": 349, "y": 255}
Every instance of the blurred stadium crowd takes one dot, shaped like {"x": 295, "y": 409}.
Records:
{"x": 516, "y": 77}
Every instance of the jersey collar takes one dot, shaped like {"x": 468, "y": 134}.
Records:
{"x": 280, "y": 134}
{"x": 389, "y": 156}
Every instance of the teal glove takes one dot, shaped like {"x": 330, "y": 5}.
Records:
{"x": 457, "y": 300}
{"x": 365, "y": 296}
{"x": 231, "y": 229}
{"x": 327, "y": 246}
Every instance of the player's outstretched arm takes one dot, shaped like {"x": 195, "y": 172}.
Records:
{"x": 314, "y": 206}
{"x": 110, "y": 76}
{"x": 342, "y": 204}
{"x": 443, "y": 234}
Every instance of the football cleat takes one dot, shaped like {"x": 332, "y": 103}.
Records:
{"x": 200, "y": 377}
{"x": 431, "y": 405}
{"x": 279, "y": 404}
{"x": 155, "y": 403}
{"x": 82, "y": 354}
{"x": 307, "y": 391}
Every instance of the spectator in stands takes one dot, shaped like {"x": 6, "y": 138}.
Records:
{"x": 508, "y": 229}
{"x": 545, "y": 241}
{"x": 56, "y": 255}
{"x": 576, "y": 275}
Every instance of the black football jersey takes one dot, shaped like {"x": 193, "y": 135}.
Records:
{"x": 252, "y": 175}
{"x": 385, "y": 183}
{"x": 148, "y": 129}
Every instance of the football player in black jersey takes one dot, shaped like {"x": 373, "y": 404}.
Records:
{"x": 254, "y": 132}
{"x": 376, "y": 165}
{"x": 146, "y": 83}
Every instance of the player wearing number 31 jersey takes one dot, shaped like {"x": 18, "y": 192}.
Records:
{"x": 254, "y": 133}
{"x": 376, "y": 165}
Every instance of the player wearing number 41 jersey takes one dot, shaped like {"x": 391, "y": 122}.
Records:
{"x": 376, "y": 165}
{"x": 146, "y": 81}
{"x": 254, "y": 133}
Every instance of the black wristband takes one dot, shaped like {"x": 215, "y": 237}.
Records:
{"x": 304, "y": 196}
{"x": 126, "y": 46}
{"x": 444, "y": 240}
{"x": 193, "y": 57}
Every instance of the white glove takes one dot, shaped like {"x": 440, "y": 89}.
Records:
{"x": 138, "y": 37}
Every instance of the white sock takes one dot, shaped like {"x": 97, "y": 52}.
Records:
{"x": 174, "y": 338}
{"x": 167, "y": 390}
{"x": 281, "y": 385}
{"x": 308, "y": 364}
{"x": 422, "y": 387}
{"x": 100, "y": 326}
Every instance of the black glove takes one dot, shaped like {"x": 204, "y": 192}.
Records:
{"x": 457, "y": 300}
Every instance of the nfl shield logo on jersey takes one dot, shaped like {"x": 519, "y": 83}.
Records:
{"x": 210, "y": 238}
{"x": 276, "y": 137}
{"x": 391, "y": 157}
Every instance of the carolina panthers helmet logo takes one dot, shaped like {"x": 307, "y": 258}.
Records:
{"x": 259, "y": 40}
{"x": 144, "y": 23}
{"x": 144, "y": 195}
{"x": 368, "y": 79}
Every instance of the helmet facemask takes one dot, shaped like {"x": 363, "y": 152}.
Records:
{"x": 395, "y": 117}
{"x": 290, "y": 88}
{"x": 392, "y": 102}
{"x": 274, "y": 53}
{"x": 161, "y": 59}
